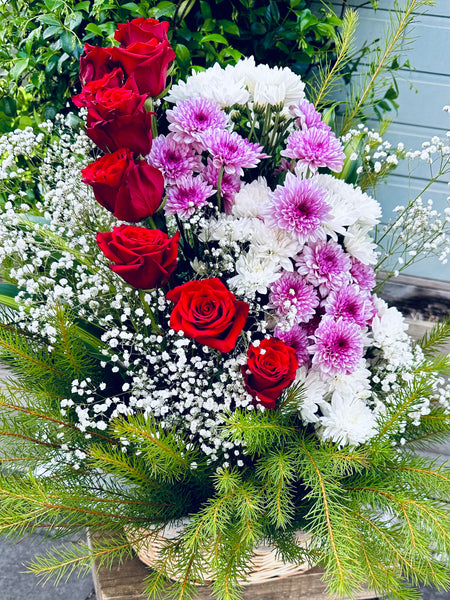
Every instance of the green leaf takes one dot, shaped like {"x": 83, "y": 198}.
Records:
{"x": 86, "y": 5}
{"x": 49, "y": 20}
{"x": 183, "y": 56}
{"x": 131, "y": 6}
{"x": 20, "y": 65}
{"x": 74, "y": 20}
{"x": 53, "y": 5}
{"x": 9, "y": 106}
{"x": 214, "y": 37}
{"x": 258, "y": 28}
{"x": 230, "y": 27}
{"x": 53, "y": 30}
{"x": 67, "y": 42}
{"x": 93, "y": 28}
{"x": 206, "y": 10}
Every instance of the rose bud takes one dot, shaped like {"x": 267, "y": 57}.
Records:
{"x": 130, "y": 189}
{"x": 144, "y": 258}
{"x": 141, "y": 30}
{"x": 208, "y": 312}
{"x": 271, "y": 367}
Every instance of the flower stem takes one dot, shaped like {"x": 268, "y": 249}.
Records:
{"x": 219, "y": 185}
{"x": 155, "y": 327}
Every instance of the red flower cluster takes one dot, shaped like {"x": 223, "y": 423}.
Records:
{"x": 116, "y": 83}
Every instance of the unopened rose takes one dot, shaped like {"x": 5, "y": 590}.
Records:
{"x": 144, "y": 258}
{"x": 141, "y": 30}
{"x": 271, "y": 367}
{"x": 208, "y": 312}
{"x": 130, "y": 189}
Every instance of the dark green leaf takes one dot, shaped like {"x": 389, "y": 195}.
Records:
{"x": 205, "y": 10}
{"x": 53, "y": 5}
{"x": 258, "y": 28}
{"x": 131, "y": 6}
{"x": 74, "y": 20}
{"x": 9, "y": 106}
{"x": 229, "y": 27}
{"x": 52, "y": 31}
{"x": 183, "y": 56}
{"x": 83, "y": 6}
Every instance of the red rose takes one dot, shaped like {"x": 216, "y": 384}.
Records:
{"x": 95, "y": 63}
{"x": 141, "y": 30}
{"x": 144, "y": 258}
{"x": 131, "y": 190}
{"x": 146, "y": 63}
{"x": 270, "y": 368}
{"x": 117, "y": 119}
{"x": 114, "y": 79}
{"x": 208, "y": 312}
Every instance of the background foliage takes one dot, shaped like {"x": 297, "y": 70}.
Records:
{"x": 41, "y": 42}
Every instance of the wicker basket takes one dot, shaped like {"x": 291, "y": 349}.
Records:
{"x": 266, "y": 565}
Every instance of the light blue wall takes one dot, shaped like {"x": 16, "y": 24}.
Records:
{"x": 423, "y": 93}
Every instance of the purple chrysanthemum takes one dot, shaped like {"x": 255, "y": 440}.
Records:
{"x": 298, "y": 207}
{"x": 292, "y": 297}
{"x": 187, "y": 195}
{"x": 339, "y": 346}
{"x": 229, "y": 186}
{"x": 324, "y": 265}
{"x": 363, "y": 275}
{"x": 191, "y": 118}
{"x": 296, "y": 338}
{"x": 173, "y": 159}
{"x": 231, "y": 151}
{"x": 315, "y": 148}
{"x": 349, "y": 303}
{"x": 308, "y": 117}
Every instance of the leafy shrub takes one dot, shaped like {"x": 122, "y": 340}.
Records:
{"x": 41, "y": 42}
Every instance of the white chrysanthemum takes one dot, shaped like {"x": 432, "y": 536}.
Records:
{"x": 347, "y": 420}
{"x": 357, "y": 383}
{"x": 254, "y": 274}
{"x": 251, "y": 198}
{"x": 389, "y": 324}
{"x": 359, "y": 244}
{"x": 274, "y": 243}
{"x": 314, "y": 392}
{"x": 350, "y": 205}
{"x": 269, "y": 85}
{"x": 215, "y": 84}
{"x": 227, "y": 228}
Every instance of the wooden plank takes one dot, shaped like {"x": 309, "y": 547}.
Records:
{"x": 125, "y": 582}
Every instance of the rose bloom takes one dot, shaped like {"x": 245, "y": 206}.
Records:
{"x": 141, "y": 30}
{"x": 271, "y": 367}
{"x": 113, "y": 79}
{"x": 95, "y": 63}
{"x": 144, "y": 258}
{"x": 208, "y": 312}
{"x": 117, "y": 119}
{"x": 144, "y": 54}
{"x": 130, "y": 189}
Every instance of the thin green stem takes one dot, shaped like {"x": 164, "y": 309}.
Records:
{"x": 155, "y": 327}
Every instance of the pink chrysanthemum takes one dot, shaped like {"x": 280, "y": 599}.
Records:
{"x": 339, "y": 346}
{"x": 296, "y": 338}
{"x": 173, "y": 159}
{"x": 187, "y": 195}
{"x": 315, "y": 148}
{"x": 308, "y": 117}
{"x": 291, "y": 296}
{"x": 231, "y": 151}
{"x": 324, "y": 265}
{"x": 363, "y": 275}
{"x": 349, "y": 303}
{"x": 229, "y": 186}
{"x": 298, "y": 207}
{"x": 191, "y": 118}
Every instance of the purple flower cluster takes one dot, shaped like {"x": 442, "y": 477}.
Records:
{"x": 313, "y": 145}
{"x": 197, "y": 153}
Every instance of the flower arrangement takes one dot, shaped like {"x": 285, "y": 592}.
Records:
{"x": 193, "y": 329}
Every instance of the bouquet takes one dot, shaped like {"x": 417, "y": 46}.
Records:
{"x": 195, "y": 340}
